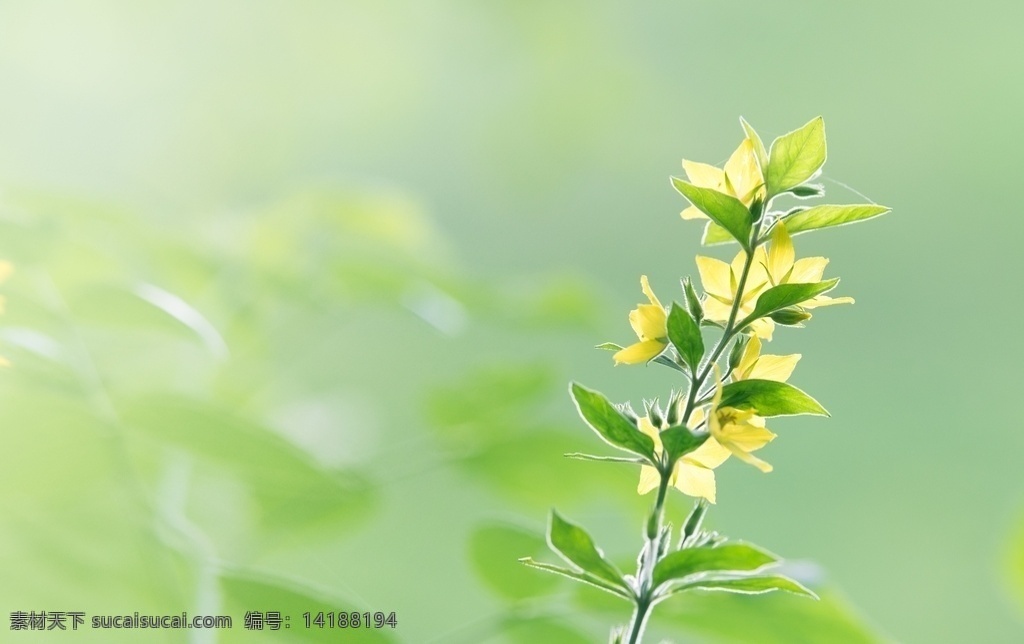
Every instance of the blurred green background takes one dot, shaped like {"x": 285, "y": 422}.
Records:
{"x": 299, "y": 286}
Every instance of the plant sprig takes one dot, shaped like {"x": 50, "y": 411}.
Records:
{"x": 682, "y": 444}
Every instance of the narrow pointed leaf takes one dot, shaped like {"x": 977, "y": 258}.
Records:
{"x": 609, "y": 346}
{"x": 795, "y": 157}
{"x": 679, "y": 440}
{"x": 715, "y": 235}
{"x": 607, "y": 459}
{"x": 748, "y": 585}
{"x": 609, "y": 423}
{"x": 770, "y": 398}
{"x": 684, "y": 334}
{"x": 725, "y": 210}
{"x": 784, "y": 295}
{"x": 575, "y": 576}
{"x": 574, "y": 545}
{"x": 732, "y": 557}
{"x": 825, "y": 216}
{"x": 759, "y": 152}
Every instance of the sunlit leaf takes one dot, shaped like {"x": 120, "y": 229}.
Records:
{"x": 725, "y": 558}
{"x": 795, "y": 157}
{"x": 725, "y": 210}
{"x": 770, "y": 398}
{"x": 577, "y": 547}
{"x": 827, "y": 216}
{"x": 609, "y": 423}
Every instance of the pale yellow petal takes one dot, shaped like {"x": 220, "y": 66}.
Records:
{"x": 639, "y": 352}
{"x": 649, "y": 479}
{"x": 753, "y": 460}
{"x": 746, "y": 437}
{"x": 648, "y": 322}
{"x": 717, "y": 310}
{"x": 763, "y": 328}
{"x": 704, "y": 175}
{"x": 710, "y": 454}
{"x": 748, "y": 360}
{"x": 778, "y": 368}
{"x": 714, "y": 275}
{"x": 807, "y": 270}
{"x": 824, "y": 300}
{"x": 647, "y": 427}
{"x": 693, "y": 212}
{"x": 696, "y": 418}
{"x": 645, "y": 286}
{"x": 694, "y": 480}
{"x": 780, "y": 254}
{"x": 742, "y": 171}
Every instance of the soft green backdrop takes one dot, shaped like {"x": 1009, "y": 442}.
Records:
{"x": 299, "y": 286}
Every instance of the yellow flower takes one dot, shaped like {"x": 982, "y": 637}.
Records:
{"x": 741, "y": 178}
{"x": 740, "y": 431}
{"x": 754, "y": 366}
{"x": 721, "y": 281}
{"x": 783, "y": 268}
{"x": 649, "y": 322}
{"x": 693, "y": 474}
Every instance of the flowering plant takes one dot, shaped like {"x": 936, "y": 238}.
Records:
{"x": 721, "y": 410}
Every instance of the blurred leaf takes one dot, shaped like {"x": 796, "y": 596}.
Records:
{"x": 826, "y": 216}
{"x": 243, "y": 591}
{"x": 609, "y": 423}
{"x": 685, "y": 336}
{"x": 725, "y": 558}
{"x": 725, "y": 210}
{"x": 1015, "y": 561}
{"x": 784, "y": 295}
{"x": 538, "y": 630}
{"x": 495, "y": 550}
{"x": 576, "y": 546}
{"x": 292, "y": 490}
{"x": 778, "y": 618}
{"x": 795, "y": 157}
{"x": 488, "y": 405}
{"x": 755, "y": 585}
{"x": 769, "y": 398}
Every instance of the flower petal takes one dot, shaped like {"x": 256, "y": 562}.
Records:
{"x": 808, "y": 270}
{"x": 649, "y": 479}
{"x": 714, "y": 275}
{"x": 824, "y": 300}
{"x": 777, "y": 368}
{"x": 645, "y": 286}
{"x": 710, "y": 454}
{"x": 649, "y": 322}
{"x": 694, "y": 480}
{"x": 693, "y": 212}
{"x": 704, "y": 175}
{"x": 639, "y": 352}
{"x": 780, "y": 254}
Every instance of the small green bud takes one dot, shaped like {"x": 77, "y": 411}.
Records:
{"x": 790, "y": 316}
{"x": 674, "y": 413}
{"x": 736, "y": 353}
{"x": 654, "y": 413}
{"x": 757, "y": 208}
{"x": 808, "y": 190}
{"x": 693, "y": 521}
{"x": 693, "y": 304}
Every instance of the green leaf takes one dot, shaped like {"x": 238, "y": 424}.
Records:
{"x": 574, "y": 545}
{"x": 493, "y": 551}
{"x": 715, "y": 235}
{"x": 609, "y": 346}
{"x": 795, "y": 157}
{"x": 748, "y": 585}
{"x": 575, "y": 576}
{"x": 731, "y": 557}
{"x": 770, "y": 398}
{"x": 685, "y": 336}
{"x": 679, "y": 440}
{"x": 725, "y": 210}
{"x": 807, "y": 191}
{"x": 604, "y": 459}
{"x": 609, "y": 423}
{"x": 827, "y": 216}
{"x": 755, "y": 138}
{"x": 784, "y": 295}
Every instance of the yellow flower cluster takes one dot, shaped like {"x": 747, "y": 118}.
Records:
{"x": 732, "y": 432}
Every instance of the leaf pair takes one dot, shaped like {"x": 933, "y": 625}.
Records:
{"x": 618, "y": 431}
{"x": 733, "y": 567}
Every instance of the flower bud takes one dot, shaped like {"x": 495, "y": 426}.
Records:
{"x": 790, "y": 317}
{"x": 736, "y": 353}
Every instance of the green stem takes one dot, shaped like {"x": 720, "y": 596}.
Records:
{"x": 639, "y": 621}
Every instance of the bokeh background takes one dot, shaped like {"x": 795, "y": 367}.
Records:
{"x": 299, "y": 286}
